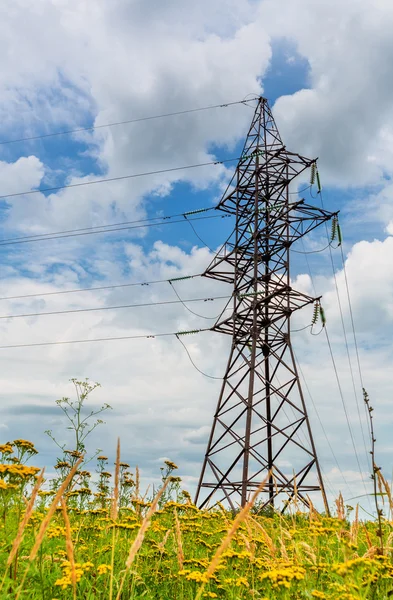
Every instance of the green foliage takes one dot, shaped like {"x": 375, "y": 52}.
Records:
{"x": 81, "y": 425}
{"x": 84, "y": 547}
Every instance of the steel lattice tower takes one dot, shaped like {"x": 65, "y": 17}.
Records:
{"x": 261, "y": 427}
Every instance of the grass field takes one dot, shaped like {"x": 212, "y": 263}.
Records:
{"x": 92, "y": 534}
{"x": 79, "y": 540}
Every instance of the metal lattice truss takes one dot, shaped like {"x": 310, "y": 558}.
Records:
{"x": 261, "y": 427}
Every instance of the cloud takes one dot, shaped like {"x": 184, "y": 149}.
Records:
{"x": 186, "y": 64}
{"x": 68, "y": 64}
{"x": 346, "y": 116}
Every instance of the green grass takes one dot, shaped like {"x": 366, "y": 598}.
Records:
{"x": 269, "y": 557}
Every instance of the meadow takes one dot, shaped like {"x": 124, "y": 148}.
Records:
{"x": 93, "y": 534}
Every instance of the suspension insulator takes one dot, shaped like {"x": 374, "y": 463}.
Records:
{"x": 339, "y": 234}
{"x": 313, "y": 172}
{"x": 334, "y": 228}
{"x": 318, "y": 183}
{"x": 315, "y": 314}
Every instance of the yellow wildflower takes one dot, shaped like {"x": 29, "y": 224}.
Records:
{"x": 198, "y": 577}
{"x": 103, "y": 569}
{"x": 19, "y": 470}
{"x": 7, "y": 486}
{"x": 282, "y": 577}
{"x": 171, "y": 465}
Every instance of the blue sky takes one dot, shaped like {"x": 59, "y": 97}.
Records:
{"x": 322, "y": 68}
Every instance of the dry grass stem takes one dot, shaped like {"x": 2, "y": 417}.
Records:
{"x": 45, "y": 523}
{"x": 340, "y": 507}
{"x": 114, "y": 515}
{"x": 26, "y": 518}
{"x": 227, "y": 540}
{"x": 137, "y": 543}
{"x": 180, "y": 553}
{"x": 368, "y": 539}
{"x": 161, "y": 545}
{"x": 69, "y": 545}
{"x": 353, "y": 534}
{"x": 388, "y": 491}
{"x": 52, "y": 509}
{"x": 115, "y": 501}
{"x": 268, "y": 540}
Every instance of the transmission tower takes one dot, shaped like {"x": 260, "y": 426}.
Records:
{"x": 261, "y": 427}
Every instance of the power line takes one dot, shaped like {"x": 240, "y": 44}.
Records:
{"x": 93, "y": 228}
{"x": 126, "y": 228}
{"x": 119, "y": 178}
{"x": 335, "y": 370}
{"x": 321, "y": 423}
{"x": 101, "y": 287}
{"x": 110, "y": 339}
{"x": 197, "y": 234}
{"x": 346, "y": 344}
{"x": 345, "y": 338}
{"x": 138, "y": 120}
{"x": 189, "y": 309}
{"x": 345, "y": 408}
{"x": 354, "y": 332}
{"x": 347, "y": 349}
{"x": 84, "y": 310}
{"x": 193, "y": 363}
{"x": 311, "y": 251}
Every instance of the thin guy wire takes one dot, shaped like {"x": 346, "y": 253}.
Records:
{"x": 110, "y": 339}
{"x": 119, "y": 178}
{"x": 150, "y": 118}
{"x": 83, "y": 310}
{"x": 127, "y": 228}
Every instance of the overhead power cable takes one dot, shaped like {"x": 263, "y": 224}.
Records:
{"x": 197, "y": 234}
{"x": 115, "y": 229}
{"x": 193, "y": 363}
{"x": 109, "y": 339}
{"x": 101, "y": 287}
{"x": 345, "y": 409}
{"x": 336, "y": 374}
{"x": 355, "y": 337}
{"x": 321, "y": 423}
{"x": 311, "y": 251}
{"x": 106, "y": 225}
{"x": 94, "y": 309}
{"x": 119, "y": 178}
{"x": 189, "y": 309}
{"x": 126, "y": 122}
{"x": 368, "y": 461}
